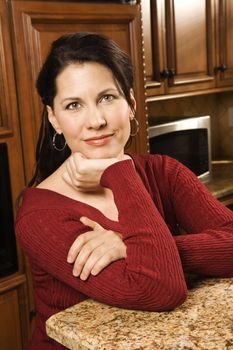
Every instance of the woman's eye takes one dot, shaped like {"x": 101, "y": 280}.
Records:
{"x": 107, "y": 98}
{"x": 73, "y": 106}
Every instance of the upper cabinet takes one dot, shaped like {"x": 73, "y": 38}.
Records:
{"x": 36, "y": 24}
{"x": 224, "y": 34}
{"x": 187, "y": 45}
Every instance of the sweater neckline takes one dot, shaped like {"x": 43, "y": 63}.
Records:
{"x": 92, "y": 212}
{"x": 89, "y": 209}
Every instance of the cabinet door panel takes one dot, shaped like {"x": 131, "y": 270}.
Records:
{"x": 225, "y": 39}
{"x": 8, "y": 112}
{"x": 190, "y": 44}
{"x": 9, "y": 124}
{"x": 154, "y": 45}
{"x": 36, "y": 25}
{"x": 10, "y": 337}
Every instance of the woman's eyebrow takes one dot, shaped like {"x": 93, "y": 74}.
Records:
{"x": 101, "y": 93}
{"x": 71, "y": 98}
{"x": 107, "y": 91}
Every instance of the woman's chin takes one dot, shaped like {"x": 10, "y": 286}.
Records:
{"x": 104, "y": 155}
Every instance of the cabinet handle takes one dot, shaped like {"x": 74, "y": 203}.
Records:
{"x": 222, "y": 68}
{"x": 172, "y": 73}
{"x": 168, "y": 73}
{"x": 32, "y": 314}
{"x": 164, "y": 74}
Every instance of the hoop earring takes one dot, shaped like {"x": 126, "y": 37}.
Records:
{"x": 54, "y": 143}
{"x": 136, "y": 127}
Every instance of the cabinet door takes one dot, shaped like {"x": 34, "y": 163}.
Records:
{"x": 10, "y": 336}
{"x": 9, "y": 124}
{"x": 190, "y": 45}
{"x": 154, "y": 46}
{"x": 179, "y": 45}
{"x": 224, "y": 43}
{"x": 37, "y": 24}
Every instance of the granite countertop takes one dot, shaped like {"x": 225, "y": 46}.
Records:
{"x": 203, "y": 322}
{"x": 221, "y": 183}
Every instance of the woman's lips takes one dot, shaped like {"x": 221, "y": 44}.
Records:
{"x": 99, "y": 140}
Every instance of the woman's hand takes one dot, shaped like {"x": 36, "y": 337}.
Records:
{"x": 84, "y": 174}
{"x": 92, "y": 251}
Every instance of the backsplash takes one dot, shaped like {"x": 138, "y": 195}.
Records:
{"x": 218, "y": 106}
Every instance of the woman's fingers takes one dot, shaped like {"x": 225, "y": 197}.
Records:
{"x": 92, "y": 251}
{"x": 84, "y": 174}
{"x": 102, "y": 256}
{"x": 91, "y": 223}
{"x": 75, "y": 248}
{"x": 73, "y": 174}
{"x": 83, "y": 238}
{"x": 87, "y": 257}
{"x": 91, "y": 261}
{"x": 112, "y": 255}
{"x": 72, "y": 171}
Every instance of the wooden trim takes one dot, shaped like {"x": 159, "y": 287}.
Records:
{"x": 188, "y": 94}
{"x": 222, "y": 29}
{"x": 6, "y": 125}
{"x": 157, "y": 42}
{"x": 170, "y": 34}
{"x": 210, "y": 42}
{"x": 12, "y": 281}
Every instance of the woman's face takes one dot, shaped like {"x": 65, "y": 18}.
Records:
{"x": 90, "y": 111}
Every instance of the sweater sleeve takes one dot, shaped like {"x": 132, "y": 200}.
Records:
{"x": 207, "y": 248}
{"x": 150, "y": 278}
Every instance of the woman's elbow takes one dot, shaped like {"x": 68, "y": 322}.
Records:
{"x": 176, "y": 298}
{"x": 171, "y": 295}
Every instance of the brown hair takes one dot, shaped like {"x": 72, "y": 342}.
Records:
{"x": 68, "y": 49}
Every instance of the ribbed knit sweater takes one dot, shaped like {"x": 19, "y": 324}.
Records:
{"x": 156, "y": 198}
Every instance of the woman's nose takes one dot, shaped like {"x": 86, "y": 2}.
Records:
{"x": 95, "y": 118}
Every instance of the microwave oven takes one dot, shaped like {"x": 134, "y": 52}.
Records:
{"x": 187, "y": 140}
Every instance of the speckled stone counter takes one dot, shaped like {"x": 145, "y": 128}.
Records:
{"x": 203, "y": 322}
{"x": 221, "y": 184}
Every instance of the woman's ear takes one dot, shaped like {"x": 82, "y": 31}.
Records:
{"x": 53, "y": 120}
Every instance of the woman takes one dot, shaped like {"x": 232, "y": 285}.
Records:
{"x": 96, "y": 222}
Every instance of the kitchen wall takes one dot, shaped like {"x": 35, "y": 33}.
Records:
{"x": 218, "y": 106}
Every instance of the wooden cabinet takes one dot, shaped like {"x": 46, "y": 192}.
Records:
{"x": 37, "y": 24}
{"x": 224, "y": 34}
{"x": 187, "y": 45}
{"x": 154, "y": 45}
{"x": 13, "y": 291}
{"x": 13, "y": 318}
{"x": 9, "y": 325}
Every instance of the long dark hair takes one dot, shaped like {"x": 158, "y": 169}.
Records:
{"x": 72, "y": 48}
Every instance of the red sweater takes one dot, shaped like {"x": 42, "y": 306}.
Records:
{"x": 154, "y": 202}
